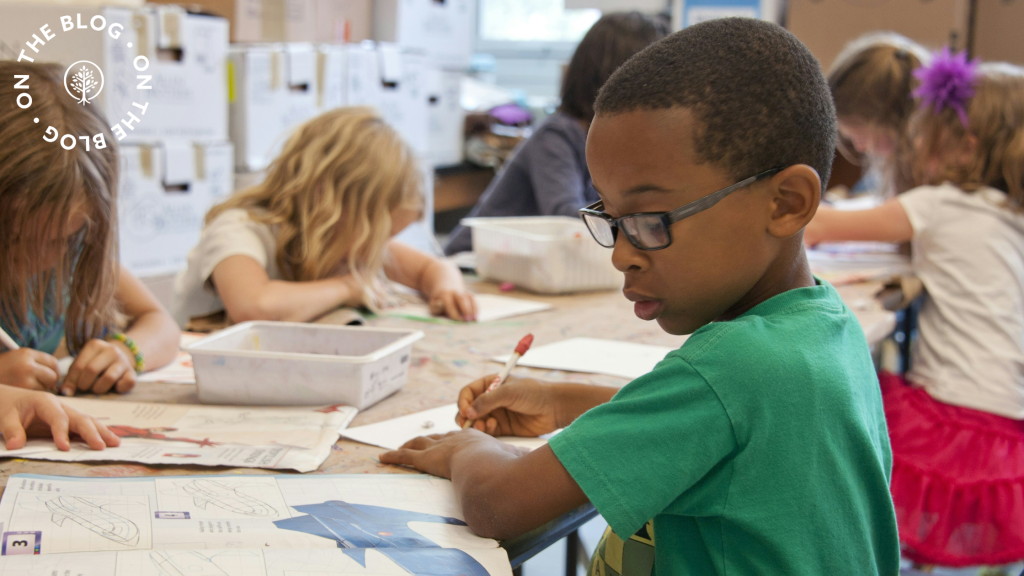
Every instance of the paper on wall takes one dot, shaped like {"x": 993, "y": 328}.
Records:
{"x": 275, "y": 438}
{"x": 392, "y": 434}
{"x": 490, "y": 307}
{"x": 274, "y": 525}
{"x": 595, "y": 356}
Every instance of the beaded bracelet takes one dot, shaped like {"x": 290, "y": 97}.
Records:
{"x": 140, "y": 362}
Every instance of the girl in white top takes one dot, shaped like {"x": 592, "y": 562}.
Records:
{"x": 317, "y": 233}
{"x": 957, "y": 430}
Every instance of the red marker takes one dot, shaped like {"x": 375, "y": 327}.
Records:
{"x": 521, "y": 349}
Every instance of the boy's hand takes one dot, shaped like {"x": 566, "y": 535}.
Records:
{"x": 519, "y": 407}
{"x": 28, "y": 368}
{"x": 455, "y": 303}
{"x": 100, "y": 367}
{"x": 433, "y": 454}
{"x": 39, "y": 413}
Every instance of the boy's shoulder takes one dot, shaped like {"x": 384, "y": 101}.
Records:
{"x": 776, "y": 326}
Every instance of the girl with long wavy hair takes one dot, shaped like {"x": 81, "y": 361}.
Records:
{"x": 60, "y": 282}
{"x": 318, "y": 232}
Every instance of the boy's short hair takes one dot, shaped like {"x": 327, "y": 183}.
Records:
{"x": 758, "y": 93}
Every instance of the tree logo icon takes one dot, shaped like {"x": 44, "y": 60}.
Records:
{"x": 84, "y": 81}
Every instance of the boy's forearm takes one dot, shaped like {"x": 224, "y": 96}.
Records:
{"x": 504, "y": 494}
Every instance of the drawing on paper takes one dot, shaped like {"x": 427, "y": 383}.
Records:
{"x": 184, "y": 563}
{"x": 155, "y": 434}
{"x": 357, "y": 527}
{"x": 93, "y": 517}
{"x": 200, "y": 422}
{"x": 221, "y": 495}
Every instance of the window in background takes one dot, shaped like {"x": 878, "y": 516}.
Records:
{"x": 527, "y": 42}
{"x": 533, "y": 21}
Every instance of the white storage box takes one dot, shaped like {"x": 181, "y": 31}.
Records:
{"x": 276, "y": 90}
{"x": 546, "y": 254}
{"x": 164, "y": 193}
{"x": 443, "y": 30}
{"x": 294, "y": 364}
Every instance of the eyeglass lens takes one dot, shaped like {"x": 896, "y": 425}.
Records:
{"x": 649, "y": 231}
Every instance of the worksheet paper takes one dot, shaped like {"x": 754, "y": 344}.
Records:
{"x": 489, "y": 308}
{"x": 392, "y": 434}
{"x": 232, "y": 525}
{"x": 595, "y": 356}
{"x": 276, "y": 438}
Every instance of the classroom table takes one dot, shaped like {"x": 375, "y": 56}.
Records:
{"x": 450, "y": 356}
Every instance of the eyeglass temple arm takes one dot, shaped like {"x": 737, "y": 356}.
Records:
{"x": 710, "y": 200}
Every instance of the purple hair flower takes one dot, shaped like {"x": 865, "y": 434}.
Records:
{"x": 948, "y": 82}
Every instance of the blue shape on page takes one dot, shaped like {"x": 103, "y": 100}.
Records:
{"x": 356, "y": 527}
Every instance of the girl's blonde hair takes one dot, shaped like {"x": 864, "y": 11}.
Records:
{"x": 995, "y": 118}
{"x": 329, "y": 196}
{"x": 871, "y": 82}
{"x": 42, "y": 186}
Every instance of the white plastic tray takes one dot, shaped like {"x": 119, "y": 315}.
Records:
{"x": 545, "y": 254}
{"x": 293, "y": 364}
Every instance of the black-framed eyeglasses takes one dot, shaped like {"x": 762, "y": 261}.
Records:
{"x": 652, "y": 230}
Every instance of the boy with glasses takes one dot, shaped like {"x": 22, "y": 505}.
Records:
{"x": 758, "y": 447}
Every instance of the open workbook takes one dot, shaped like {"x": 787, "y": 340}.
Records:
{"x": 240, "y": 526}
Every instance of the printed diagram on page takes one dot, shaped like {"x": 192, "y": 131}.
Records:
{"x": 295, "y": 438}
{"x": 79, "y": 523}
{"x": 244, "y": 525}
{"x": 266, "y": 562}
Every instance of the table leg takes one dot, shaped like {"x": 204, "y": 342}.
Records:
{"x": 572, "y": 552}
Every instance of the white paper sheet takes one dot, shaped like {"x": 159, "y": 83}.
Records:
{"x": 234, "y": 525}
{"x": 277, "y": 438}
{"x": 233, "y": 562}
{"x": 391, "y": 434}
{"x": 490, "y": 307}
{"x": 595, "y": 356}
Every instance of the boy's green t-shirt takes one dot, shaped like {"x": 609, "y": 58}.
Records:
{"x": 759, "y": 447}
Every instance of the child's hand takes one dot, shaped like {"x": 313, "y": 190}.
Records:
{"x": 28, "y": 368}
{"x": 39, "y": 413}
{"x": 455, "y": 303}
{"x": 433, "y": 454}
{"x": 520, "y": 407}
{"x": 100, "y": 367}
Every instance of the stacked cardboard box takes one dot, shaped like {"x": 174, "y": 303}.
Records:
{"x": 159, "y": 76}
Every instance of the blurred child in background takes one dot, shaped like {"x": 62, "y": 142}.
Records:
{"x": 317, "y": 233}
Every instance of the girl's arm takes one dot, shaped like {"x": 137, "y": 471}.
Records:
{"x": 105, "y": 365}
{"x": 439, "y": 281}
{"x": 886, "y": 223}
{"x": 151, "y": 327}
{"x": 249, "y": 294}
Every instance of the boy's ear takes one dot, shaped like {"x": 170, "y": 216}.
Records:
{"x": 796, "y": 192}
